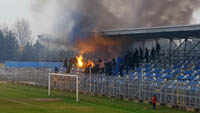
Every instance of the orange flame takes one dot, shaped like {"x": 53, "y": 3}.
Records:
{"x": 90, "y": 63}
{"x": 80, "y": 62}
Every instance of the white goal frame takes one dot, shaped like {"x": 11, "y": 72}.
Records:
{"x": 65, "y": 75}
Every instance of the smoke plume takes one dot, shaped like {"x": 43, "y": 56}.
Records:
{"x": 74, "y": 20}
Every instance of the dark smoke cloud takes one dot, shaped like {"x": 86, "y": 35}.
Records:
{"x": 76, "y": 19}
{"x": 148, "y": 13}
{"x": 167, "y": 12}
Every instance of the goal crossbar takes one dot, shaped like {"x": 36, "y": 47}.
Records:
{"x": 64, "y": 75}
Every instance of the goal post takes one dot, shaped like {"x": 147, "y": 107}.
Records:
{"x": 64, "y": 75}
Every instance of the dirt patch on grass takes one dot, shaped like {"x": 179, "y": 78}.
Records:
{"x": 45, "y": 99}
{"x": 3, "y": 82}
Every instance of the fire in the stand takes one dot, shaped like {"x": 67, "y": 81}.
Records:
{"x": 90, "y": 63}
{"x": 80, "y": 62}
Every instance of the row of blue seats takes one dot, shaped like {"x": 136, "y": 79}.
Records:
{"x": 150, "y": 76}
{"x": 176, "y": 70}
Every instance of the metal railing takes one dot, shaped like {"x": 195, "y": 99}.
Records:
{"x": 168, "y": 92}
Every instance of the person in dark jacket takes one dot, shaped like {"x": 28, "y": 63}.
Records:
{"x": 114, "y": 64}
{"x": 121, "y": 68}
{"x": 65, "y": 64}
{"x": 137, "y": 59}
{"x": 56, "y": 69}
{"x": 158, "y": 49}
{"x": 141, "y": 54}
{"x": 153, "y": 53}
{"x": 147, "y": 55}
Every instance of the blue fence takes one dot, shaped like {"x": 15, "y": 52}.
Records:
{"x": 15, "y": 64}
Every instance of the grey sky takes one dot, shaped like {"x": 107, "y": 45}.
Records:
{"x": 12, "y": 10}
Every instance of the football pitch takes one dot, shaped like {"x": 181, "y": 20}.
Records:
{"x": 26, "y": 99}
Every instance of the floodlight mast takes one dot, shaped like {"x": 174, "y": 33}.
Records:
{"x": 65, "y": 75}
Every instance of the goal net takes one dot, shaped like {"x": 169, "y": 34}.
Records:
{"x": 63, "y": 75}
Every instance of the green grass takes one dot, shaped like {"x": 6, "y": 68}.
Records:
{"x": 25, "y": 99}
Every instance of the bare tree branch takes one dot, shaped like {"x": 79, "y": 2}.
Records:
{"x": 22, "y": 31}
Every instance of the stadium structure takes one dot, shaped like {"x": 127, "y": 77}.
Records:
{"x": 174, "y": 76}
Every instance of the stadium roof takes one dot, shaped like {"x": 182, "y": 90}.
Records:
{"x": 166, "y": 32}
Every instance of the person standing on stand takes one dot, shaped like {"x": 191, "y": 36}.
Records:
{"x": 147, "y": 55}
{"x": 154, "y": 101}
{"x": 158, "y": 49}
{"x": 141, "y": 54}
{"x": 153, "y": 53}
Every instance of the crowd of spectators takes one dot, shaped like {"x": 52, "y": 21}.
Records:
{"x": 115, "y": 66}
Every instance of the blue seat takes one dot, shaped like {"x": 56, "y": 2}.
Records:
{"x": 190, "y": 78}
{"x": 197, "y": 67}
{"x": 148, "y": 78}
{"x": 189, "y": 72}
{"x": 148, "y": 75}
{"x": 180, "y": 77}
{"x": 157, "y": 75}
{"x": 193, "y": 83}
{"x": 195, "y": 88}
{"x": 157, "y": 70}
{"x": 138, "y": 77}
{"x": 177, "y": 67}
{"x": 159, "y": 80}
{"x": 167, "y": 71}
{"x": 169, "y": 76}
{"x": 138, "y": 69}
{"x": 198, "y": 73}
{"x": 139, "y": 73}
{"x": 132, "y": 74}
{"x": 147, "y": 65}
{"x": 155, "y": 65}
{"x": 177, "y": 72}
{"x": 185, "y": 66}
{"x": 148, "y": 70}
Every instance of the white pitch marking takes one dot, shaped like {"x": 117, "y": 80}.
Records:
{"x": 21, "y": 102}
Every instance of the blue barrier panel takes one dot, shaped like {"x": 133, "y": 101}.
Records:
{"x": 15, "y": 64}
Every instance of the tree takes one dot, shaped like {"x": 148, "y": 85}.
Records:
{"x": 11, "y": 47}
{"x": 23, "y": 31}
{"x": 8, "y": 47}
{"x": 2, "y": 40}
{"x": 38, "y": 50}
{"x": 4, "y": 29}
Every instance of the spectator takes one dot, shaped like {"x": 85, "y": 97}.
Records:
{"x": 141, "y": 54}
{"x": 153, "y": 53}
{"x": 110, "y": 68}
{"x": 147, "y": 55}
{"x": 54, "y": 77}
{"x": 119, "y": 60}
{"x": 114, "y": 64}
{"x": 101, "y": 66}
{"x": 56, "y": 69}
{"x": 132, "y": 61}
{"x": 71, "y": 63}
{"x": 137, "y": 59}
{"x": 154, "y": 101}
{"x": 158, "y": 49}
{"x": 121, "y": 68}
{"x": 65, "y": 65}
{"x": 127, "y": 61}
{"x": 106, "y": 67}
